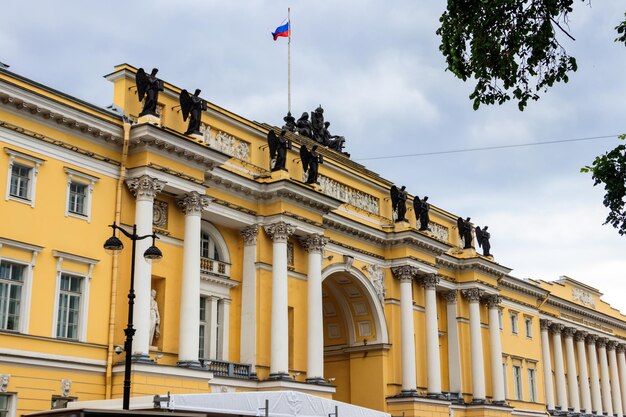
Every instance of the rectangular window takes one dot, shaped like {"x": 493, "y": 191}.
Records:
{"x": 20, "y": 181}
{"x": 514, "y": 323}
{"x": 77, "y": 198}
{"x": 506, "y": 382}
{"x": 529, "y": 326}
{"x": 68, "y": 313}
{"x": 11, "y": 285}
{"x": 532, "y": 385}
{"x": 5, "y": 405}
{"x": 517, "y": 381}
{"x": 60, "y": 402}
{"x": 203, "y": 328}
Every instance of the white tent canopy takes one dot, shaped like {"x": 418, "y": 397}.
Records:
{"x": 281, "y": 404}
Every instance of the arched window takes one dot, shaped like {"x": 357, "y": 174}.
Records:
{"x": 208, "y": 248}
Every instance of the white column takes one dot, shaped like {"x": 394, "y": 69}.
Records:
{"x": 547, "y": 363}
{"x": 594, "y": 375}
{"x": 497, "y": 377}
{"x": 621, "y": 365}
{"x": 247, "y": 351}
{"x": 583, "y": 375}
{"x": 211, "y": 331}
{"x": 192, "y": 205}
{"x": 279, "y": 327}
{"x": 144, "y": 188}
{"x": 572, "y": 378}
{"x": 616, "y": 393}
{"x": 476, "y": 345}
{"x": 432, "y": 335}
{"x": 314, "y": 245}
{"x": 605, "y": 384}
{"x": 405, "y": 274}
{"x": 559, "y": 367}
{"x": 223, "y": 329}
{"x": 454, "y": 352}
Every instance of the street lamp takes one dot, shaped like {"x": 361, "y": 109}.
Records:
{"x": 114, "y": 245}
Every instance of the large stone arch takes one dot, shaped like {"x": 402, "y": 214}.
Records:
{"x": 349, "y": 290}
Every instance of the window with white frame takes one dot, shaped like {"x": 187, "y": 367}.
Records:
{"x": 22, "y": 176}
{"x": 208, "y": 248}
{"x": 517, "y": 381}
{"x": 506, "y": 381}
{"x": 7, "y": 405}
{"x": 514, "y": 323}
{"x": 528, "y": 322}
{"x": 72, "y": 296}
{"x": 68, "y": 313}
{"x": 16, "y": 274}
{"x": 210, "y": 323}
{"x": 79, "y": 191}
{"x": 11, "y": 289}
{"x": 532, "y": 384}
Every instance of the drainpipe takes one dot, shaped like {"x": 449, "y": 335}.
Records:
{"x": 115, "y": 266}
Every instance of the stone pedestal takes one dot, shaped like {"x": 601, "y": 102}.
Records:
{"x": 280, "y": 175}
{"x": 151, "y": 119}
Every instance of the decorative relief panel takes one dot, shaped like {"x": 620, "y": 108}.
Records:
{"x": 159, "y": 214}
{"x": 349, "y": 195}
{"x": 226, "y": 143}
{"x": 583, "y": 297}
{"x": 440, "y": 232}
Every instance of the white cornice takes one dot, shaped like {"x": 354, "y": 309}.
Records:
{"x": 414, "y": 238}
{"x": 74, "y": 258}
{"x": 23, "y": 100}
{"x": 476, "y": 264}
{"x": 152, "y": 136}
{"x": 523, "y": 287}
{"x": 48, "y": 360}
{"x": 571, "y": 307}
{"x": 353, "y": 228}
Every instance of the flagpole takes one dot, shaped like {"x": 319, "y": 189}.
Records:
{"x": 289, "y": 61}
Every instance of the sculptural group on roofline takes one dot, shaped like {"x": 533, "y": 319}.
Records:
{"x": 315, "y": 128}
{"x": 421, "y": 207}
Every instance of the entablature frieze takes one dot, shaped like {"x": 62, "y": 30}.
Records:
{"x": 581, "y": 312}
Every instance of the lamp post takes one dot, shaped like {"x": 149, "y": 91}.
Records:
{"x": 114, "y": 245}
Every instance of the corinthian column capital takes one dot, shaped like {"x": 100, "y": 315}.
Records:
{"x": 430, "y": 281}
{"x": 569, "y": 332}
{"x": 450, "y": 296}
{"x": 591, "y": 339}
{"x": 404, "y": 272}
{"x": 145, "y": 187}
{"x": 314, "y": 243}
{"x": 193, "y": 203}
{"x": 545, "y": 324}
{"x": 580, "y": 336}
{"x": 279, "y": 231}
{"x": 602, "y": 341}
{"x": 557, "y": 328}
{"x": 473, "y": 294}
{"x": 249, "y": 234}
{"x": 493, "y": 301}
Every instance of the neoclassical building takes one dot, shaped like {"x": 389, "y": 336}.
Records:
{"x": 266, "y": 283}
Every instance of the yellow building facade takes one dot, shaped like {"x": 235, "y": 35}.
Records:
{"x": 266, "y": 283}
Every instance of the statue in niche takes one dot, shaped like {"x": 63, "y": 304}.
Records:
{"x": 290, "y": 123}
{"x": 303, "y": 126}
{"x": 278, "y": 150}
{"x": 334, "y": 142}
{"x": 155, "y": 318}
{"x": 398, "y": 202}
{"x": 310, "y": 163}
{"x": 421, "y": 209}
{"x": 465, "y": 232}
{"x": 317, "y": 124}
{"x": 482, "y": 237}
{"x": 148, "y": 86}
{"x": 192, "y": 107}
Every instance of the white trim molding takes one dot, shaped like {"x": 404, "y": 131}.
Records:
{"x": 81, "y": 178}
{"x": 32, "y": 163}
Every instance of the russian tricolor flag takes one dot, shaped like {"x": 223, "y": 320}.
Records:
{"x": 282, "y": 30}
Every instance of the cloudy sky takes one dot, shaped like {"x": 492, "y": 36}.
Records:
{"x": 376, "y": 69}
